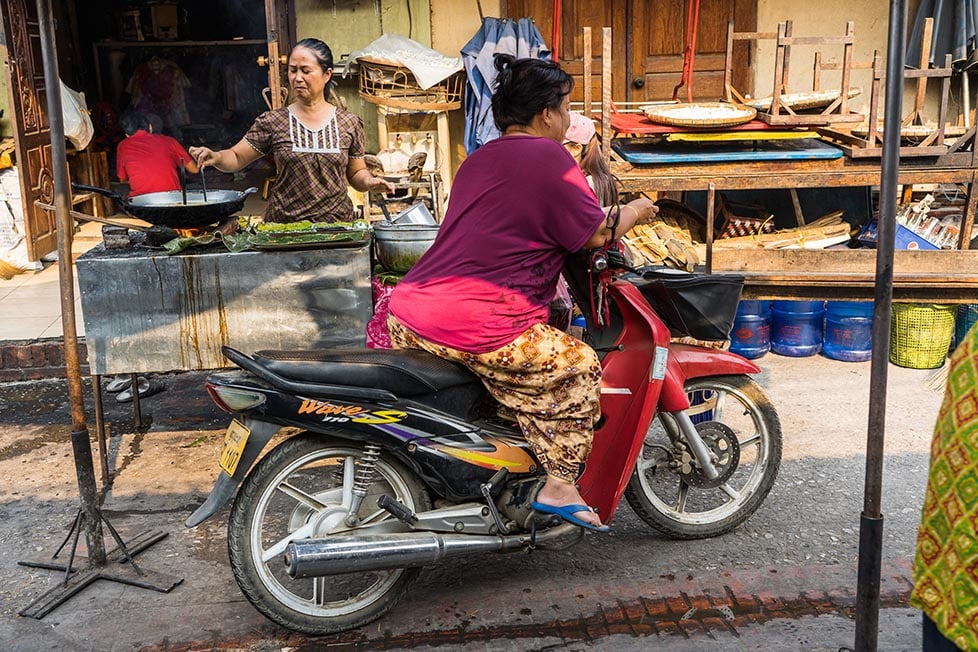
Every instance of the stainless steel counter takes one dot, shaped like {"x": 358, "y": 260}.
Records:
{"x": 145, "y": 311}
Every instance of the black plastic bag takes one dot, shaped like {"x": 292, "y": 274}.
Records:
{"x": 702, "y": 306}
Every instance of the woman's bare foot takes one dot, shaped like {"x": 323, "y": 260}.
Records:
{"x": 559, "y": 493}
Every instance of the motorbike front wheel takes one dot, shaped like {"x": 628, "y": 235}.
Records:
{"x": 303, "y": 489}
{"x": 741, "y": 428}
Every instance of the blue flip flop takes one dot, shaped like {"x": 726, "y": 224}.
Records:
{"x": 567, "y": 513}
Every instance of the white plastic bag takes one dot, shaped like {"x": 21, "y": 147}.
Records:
{"x": 78, "y": 124}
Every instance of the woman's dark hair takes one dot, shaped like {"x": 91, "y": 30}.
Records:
{"x": 524, "y": 87}
{"x": 604, "y": 182}
{"x": 323, "y": 55}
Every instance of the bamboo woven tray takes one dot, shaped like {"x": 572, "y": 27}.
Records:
{"x": 701, "y": 114}
{"x": 912, "y": 133}
{"x": 804, "y": 101}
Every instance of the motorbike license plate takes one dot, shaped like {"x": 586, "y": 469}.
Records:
{"x": 234, "y": 443}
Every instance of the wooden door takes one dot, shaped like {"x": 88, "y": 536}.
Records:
{"x": 575, "y": 15}
{"x": 280, "y": 24}
{"x": 648, "y": 43}
{"x": 660, "y": 34}
{"x": 32, "y": 133}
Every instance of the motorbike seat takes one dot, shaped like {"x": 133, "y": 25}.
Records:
{"x": 401, "y": 372}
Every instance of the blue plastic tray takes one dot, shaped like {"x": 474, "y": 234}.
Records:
{"x": 639, "y": 151}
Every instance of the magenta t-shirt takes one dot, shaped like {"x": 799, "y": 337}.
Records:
{"x": 519, "y": 205}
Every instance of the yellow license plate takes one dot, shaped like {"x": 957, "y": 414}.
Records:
{"x": 234, "y": 443}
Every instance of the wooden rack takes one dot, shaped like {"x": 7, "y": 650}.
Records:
{"x": 942, "y": 276}
{"x": 780, "y": 113}
{"x": 931, "y": 144}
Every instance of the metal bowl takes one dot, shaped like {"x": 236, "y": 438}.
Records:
{"x": 399, "y": 246}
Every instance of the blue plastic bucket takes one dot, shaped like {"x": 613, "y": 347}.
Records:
{"x": 751, "y": 332}
{"x": 796, "y": 327}
{"x": 699, "y": 397}
{"x": 966, "y": 317}
{"x": 848, "y": 330}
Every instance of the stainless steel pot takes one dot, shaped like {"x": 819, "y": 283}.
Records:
{"x": 399, "y": 246}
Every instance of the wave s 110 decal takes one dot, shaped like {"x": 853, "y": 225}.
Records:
{"x": 335, "y": 413}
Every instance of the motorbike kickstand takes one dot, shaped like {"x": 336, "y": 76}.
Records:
{"x": 497, "y": 480}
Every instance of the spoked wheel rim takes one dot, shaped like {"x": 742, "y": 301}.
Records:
{"x": 671, "y": 495}
{"x": 315, "y": 490}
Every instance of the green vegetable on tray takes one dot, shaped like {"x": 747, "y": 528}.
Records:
{"x": 307, "y": 226}
{"x": 297, "y": 238}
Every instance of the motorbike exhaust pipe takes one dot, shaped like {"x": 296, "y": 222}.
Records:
{"x": 373, "y": 552}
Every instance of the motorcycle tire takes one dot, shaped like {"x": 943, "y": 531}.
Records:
{"x": 691, "y": 507}
{"x": 299, "y": 486}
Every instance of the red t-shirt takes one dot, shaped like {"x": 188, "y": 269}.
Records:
{"x": 150, "y": 162}
{"x": 519, "y": 206}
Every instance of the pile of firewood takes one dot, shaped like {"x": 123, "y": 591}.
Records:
{"x": 671, "y": 245}
{"x": 823, "y": 232}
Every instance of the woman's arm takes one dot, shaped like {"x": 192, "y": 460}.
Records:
{"x": 226, "y": 160}
{"x": 361, "y": 178}
{"x": 637, "y": 211}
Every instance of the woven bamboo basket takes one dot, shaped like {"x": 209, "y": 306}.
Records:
{"x": 920, "y": 334}
{"x": 702, "y": 115}
{"x": 393, "y": 85}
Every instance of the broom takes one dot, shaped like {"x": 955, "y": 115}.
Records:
{"x": 938, "y": 379}
{"x": 8, "y": 271}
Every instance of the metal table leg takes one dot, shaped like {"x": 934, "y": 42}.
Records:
{"x": 100, "y": 431}
{"x": 137, "y": 414}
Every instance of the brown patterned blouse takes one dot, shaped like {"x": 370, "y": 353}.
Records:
{"x": 310, "y": 162}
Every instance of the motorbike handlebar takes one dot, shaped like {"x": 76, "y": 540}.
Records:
{"x": 609, "y": 259}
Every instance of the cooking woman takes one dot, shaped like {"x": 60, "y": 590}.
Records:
{"x": 480, "y": 295}
{"x": 318, "y": 147}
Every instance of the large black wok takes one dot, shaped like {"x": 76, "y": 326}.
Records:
{"x": 169, "y": 209}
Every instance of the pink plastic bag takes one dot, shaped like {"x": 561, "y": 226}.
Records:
{"x": 382, "y": 287}
{"x": 561, "y": 306}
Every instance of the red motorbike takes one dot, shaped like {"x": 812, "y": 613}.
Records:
{"x": 394, "y": 460}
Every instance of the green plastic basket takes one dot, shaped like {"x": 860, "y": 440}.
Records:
{"x": 920, "y": 334}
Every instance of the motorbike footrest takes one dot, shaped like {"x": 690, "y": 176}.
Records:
{"x": 397, "y": 509}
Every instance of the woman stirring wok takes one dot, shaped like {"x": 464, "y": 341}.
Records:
{"x": 318, "y": 147}
{"x": 519, "y": 207}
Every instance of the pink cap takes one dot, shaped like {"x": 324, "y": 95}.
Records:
{"x": 581, "y": 129}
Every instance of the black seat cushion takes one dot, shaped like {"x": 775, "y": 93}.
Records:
{"x": 402, "y": 372}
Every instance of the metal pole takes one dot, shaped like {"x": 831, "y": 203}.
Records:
{"x": 81, "y": 444}
{"x": 871, "y": 520}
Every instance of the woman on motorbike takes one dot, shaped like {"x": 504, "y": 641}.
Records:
{"x": 520, "y": 206}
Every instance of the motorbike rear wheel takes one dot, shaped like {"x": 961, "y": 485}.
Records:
{"x": 302, "y": 489}
{"x": 680, "y": 503}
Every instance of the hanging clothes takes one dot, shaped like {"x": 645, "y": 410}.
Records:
{"x": 954, "y": 34}
{"x": 159, "y": 86}
{"x": 519, "y": 38}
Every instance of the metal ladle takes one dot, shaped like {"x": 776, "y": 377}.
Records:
{"x": 383, "y": 207}
{"x": 183, "y": 182}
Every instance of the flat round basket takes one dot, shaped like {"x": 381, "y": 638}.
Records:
{"x": 805, "y": 101}
{"x": 912, "y": 133}
{"x": 700, "y": 114}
